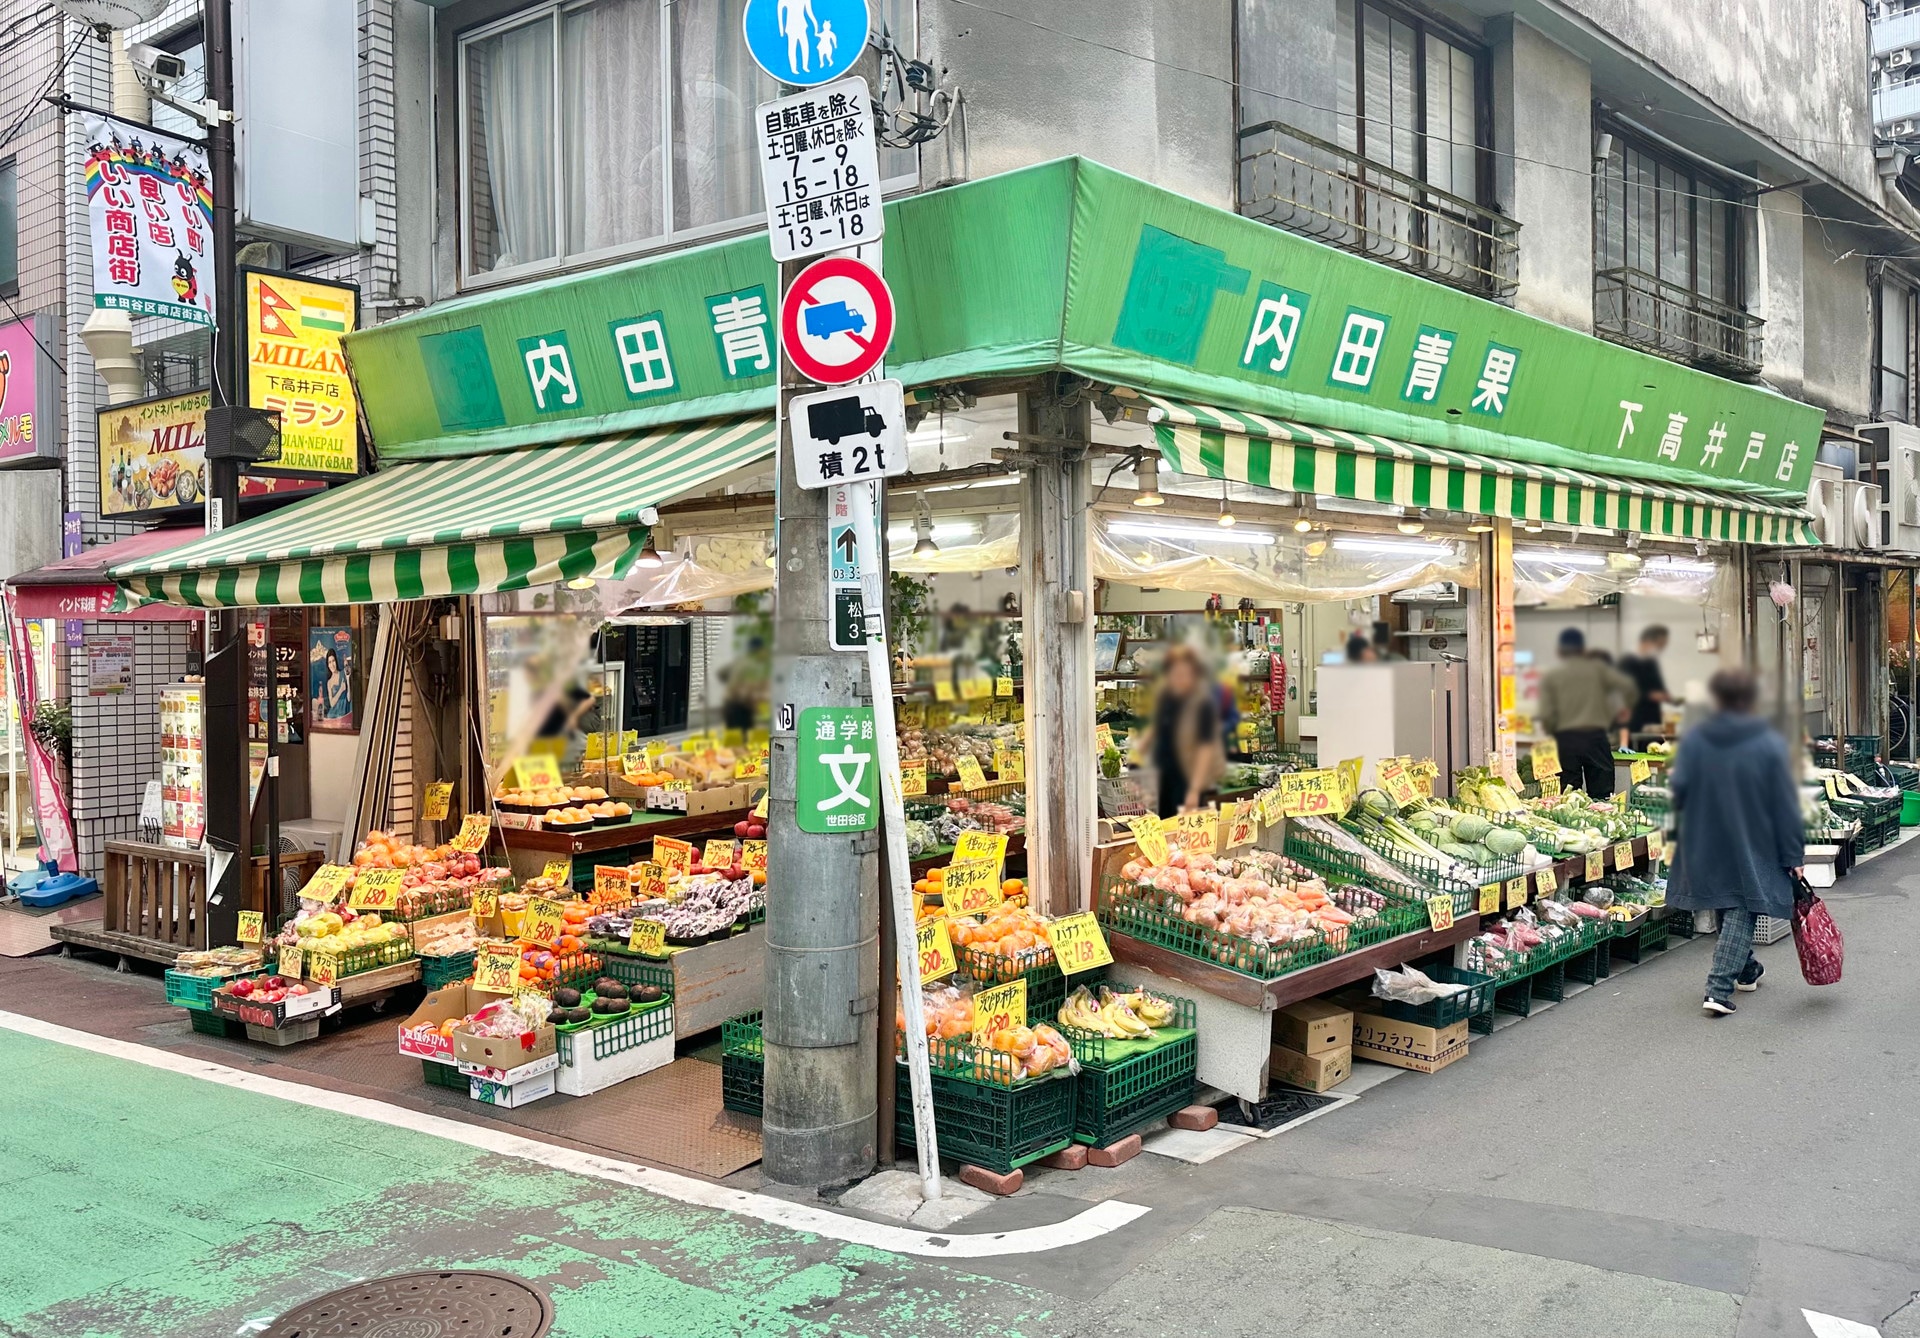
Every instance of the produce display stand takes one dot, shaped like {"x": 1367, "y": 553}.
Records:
{"x": 984, "y": 1116}
{"x": 710, "y": 983}
{"x": 529, "y": 848}
{"x": 1123, "y": 1085}
{"x": 942, "y": 855}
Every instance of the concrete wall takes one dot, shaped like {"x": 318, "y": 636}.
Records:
{"x": 29, "y": 519}
{"x": 1543, "y": 138}
{"x": 1795, "y": 70}
{"x": 1775, "y": 236}
{"x": 1838, "y": 318}
{"x": 1115, "y": 80}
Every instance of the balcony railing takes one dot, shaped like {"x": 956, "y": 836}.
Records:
{"x": 1304, "y": 184}
{"x": 1631, "y": 306}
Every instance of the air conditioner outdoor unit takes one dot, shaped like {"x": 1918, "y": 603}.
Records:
{"x": 1896, "y": 448}
{"x": 1901, "y": 129}
{"x": 1857, "y": 515}
{"x": 1898, "y": 59}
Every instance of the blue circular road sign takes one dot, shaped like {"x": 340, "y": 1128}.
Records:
{"x": 805, "y": 42}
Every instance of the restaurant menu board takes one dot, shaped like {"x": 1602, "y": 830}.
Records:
{"x": 183, "y": 781}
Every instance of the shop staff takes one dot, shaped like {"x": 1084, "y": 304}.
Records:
{"x": 1580, "y": 698}
{"x": 1184, "y": 738}
{"x": 1644, "y": 670}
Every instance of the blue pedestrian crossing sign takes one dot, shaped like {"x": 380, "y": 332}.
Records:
{"x": 805, "y": 42}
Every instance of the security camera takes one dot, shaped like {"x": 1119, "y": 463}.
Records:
{"x": 156, "y": 68}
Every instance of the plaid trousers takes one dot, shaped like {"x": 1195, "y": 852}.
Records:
{"x": 1732, "y": 954}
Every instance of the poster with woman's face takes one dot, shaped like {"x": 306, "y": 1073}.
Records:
{"x": 330, "y": 701}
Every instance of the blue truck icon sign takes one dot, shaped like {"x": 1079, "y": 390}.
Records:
{"x": 826, "y": 319}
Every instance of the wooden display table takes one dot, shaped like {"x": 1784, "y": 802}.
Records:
{"x": 529, "y": 848}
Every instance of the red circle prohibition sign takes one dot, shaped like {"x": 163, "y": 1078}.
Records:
{"x": 820, "y": 307}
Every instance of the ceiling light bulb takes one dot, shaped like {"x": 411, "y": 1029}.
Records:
{"x": 1411, "y": 526}
{"x": 1226, "y": 518}
{"x": 1533, "y": 527}
{"x": 1147, "y": 473}
{"x": 1480, "y": 527}
{"x": 1303, "y": 526}
{"x": 924, "y": 546}
{"x": 649, "y": 556}
{"x": 580, "y": 583}
{"x": 1316, "y": 547}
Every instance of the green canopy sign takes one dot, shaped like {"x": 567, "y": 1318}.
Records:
{"x": 1072, "y": 266}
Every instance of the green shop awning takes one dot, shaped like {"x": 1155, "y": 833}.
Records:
{"x": 1326, "y": 462}
{"x": 456, "y": 527}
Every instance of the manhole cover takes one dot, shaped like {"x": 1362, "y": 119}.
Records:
{"x": 421, "y": 1305}
{"x": 1284, "y": 1105}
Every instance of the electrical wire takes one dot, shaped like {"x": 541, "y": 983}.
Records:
{"x": 32, "y": 104}
{"x": 27, "y": 325}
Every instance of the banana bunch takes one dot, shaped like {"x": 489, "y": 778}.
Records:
{"x": 1120, "y": 1017}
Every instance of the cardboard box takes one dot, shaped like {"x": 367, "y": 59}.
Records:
{"x": 509, "y": 1095}
{"x": 504, "y": 1052}
{"x": 1313, "y": 1026}
{"x": 518, "y": 1073}
{"x": 442, "y": 1005}
{"x": 1316, "y": 1073}
{"x": 1408, "y": 1045}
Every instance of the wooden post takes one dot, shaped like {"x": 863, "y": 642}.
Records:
{"x": 1056, "y": 603}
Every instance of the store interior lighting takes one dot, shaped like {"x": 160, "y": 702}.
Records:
{"x": 946, "y": 530}
{"x": 1303, "y": 526}
{"x": 998, "y": 481}
{"x": 1192, "y": 533}
{"x": 581, "y": 583}
{"x": 1227, "y": 518}
{"x": 1146, "y": 472}
{"x": 1483, "y": 525}
{"x": 1353, "y": 543}
{"x": 649, "y": 556}
{"x": 1676, "y": 566}
{"x": 1316, "y": 547}
{"x": 1411, "y": 524}
{"x": 1564, "y": 557}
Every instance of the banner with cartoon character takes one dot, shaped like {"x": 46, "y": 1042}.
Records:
{"x": 150, "y": 211}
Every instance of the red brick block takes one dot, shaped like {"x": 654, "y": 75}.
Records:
{"x": 992, "y": 1181}
{"x": 1072, "y": 1158}
{"x": 1194, "y": 1117}
{"x": 1113, "y": 1154}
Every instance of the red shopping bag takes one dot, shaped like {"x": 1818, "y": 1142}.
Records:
{"x": 1817, "y": 938}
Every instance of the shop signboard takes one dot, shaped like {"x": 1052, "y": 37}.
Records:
{"x": 836, "y": 776}
{"x": 150, "y": 215}
{"x": 1164, "y": 294}
{"x": 153, "y": 457}
{"x": 295, "y": 368}
{"x": 109, "y": 665}
{"x": 29, "y": 391}
{"x": 820, "y": 169}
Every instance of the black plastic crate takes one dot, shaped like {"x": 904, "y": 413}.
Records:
{"x": 444, "y": 1075}
{"x": 743, "y": 1065}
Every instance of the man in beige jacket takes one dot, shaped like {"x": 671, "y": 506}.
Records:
{"x": 1580, "y": 698}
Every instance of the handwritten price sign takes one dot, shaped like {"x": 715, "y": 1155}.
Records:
{"x": 1244, "y": 830}
{"x": 980, "y": 845}
{"x": 753, "y": 855}
{"x": 1596, "y": 866}
{"x": 1656, "y": 845}
{"x": 1516, "y": 892}
{"x": 997, "y": 1009}
{"x": 289, "y": 963}
{"x": 718, "y": 854}
{"x": 672, "y": 855}
{"x": 971, "y": 776}
{"x": 1439, "y": 912}
{"x": 558, "y": 871}
{"x": 648, "y": 880}
{"x": 1151, "y": 840}
{"x": 611, "y": 883}
{"x": 486, "y": 905}
{"x": 252, "y": 926}
{"x": 1102, "y": 738}
{"x": 438, "y": 801}
{"x": 1394, "y": 780}
{"x": 472, "y": 837}
{"x": 495, "y": 970}
{"x": 970, "y": 886}
{"x": 324, "y": 969}
{"x": 536, "y": 772}
{"x": 327, "y": 883}
{"x": 1305, "y": 794}
{"x": 1544, "y": 883}
{"x": 935, "y": 947}
{"x": 649, "y": 937}
{"x": 1623, "y": 856}
{"x": 1546, "y": 759}
{"x": 913, "y": 778}
{"x": 1490, "y": 899}
{"x": 1640, "y": 771}
{"x": 545, "y": 920}
{"x": 1078, "y": 944}
{"x": 376, "y": 889}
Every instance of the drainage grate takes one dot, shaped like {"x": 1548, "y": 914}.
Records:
{"x": 1283, "y": 1105}
{"x": 422, "y": 1305}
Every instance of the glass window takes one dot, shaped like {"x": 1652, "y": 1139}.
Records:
{"x": 9, "y": 227}
{"x": 593, "y": 126}
{"x": 1407, "y": 97}
{"x": 1667, "y": 220}
{"x": 1896, "y": 388}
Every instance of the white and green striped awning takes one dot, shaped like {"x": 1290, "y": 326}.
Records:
{"x": 455, "y": 527}
{"x": 1295, "y": 457}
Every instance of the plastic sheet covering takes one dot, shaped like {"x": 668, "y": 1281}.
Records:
{"x": 972, "y": 542}
{"x": 701, "y": 567}
{"x": 1181, "y": 554}
{"x": 1570, "y": 578}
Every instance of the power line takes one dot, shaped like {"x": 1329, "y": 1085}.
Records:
{"x": 27, "y": 325}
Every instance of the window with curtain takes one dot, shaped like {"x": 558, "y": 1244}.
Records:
{"x": 1666, "y": 219}
{"x": 1896, "y": 387}
{"x": 599, "y": 127}
{"x": 1408, "y": 97}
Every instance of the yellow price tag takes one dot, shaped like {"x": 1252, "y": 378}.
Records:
{"x": 971, "y": 776}
{"x": 1151, "y": 840}
{"x": 718, "y": 853}
{"x": 1516, "y": 892}
{"x": 648, "y": 880}
{"x": 327, "y": 883}
{"x": 535, "y": 771}
{"x": 1623, "y": 856}
{"x": 975, "y": 688}
{"x": 1349, "y": 773}
{"x": 252, "y": 926}
{"x": 943, "y": 690}
{"x": 1016, "y": 767}
{"x": 546, "y": 920}
{"x": 1305, "y": 794}
{"x": 760, "y": 809}
{"x": 1268, "y": 802}
{"x": 376, "y": 889}
{"x": 649, "y": 937}
{"x": 1640, "y": 771}
{"x": 633, "y": 762}
{"x": 289, "y": 963}
{"x": 495, "y": 970}
{"x": 981, "y": 845}
{"x": 672, "y": 855}
{"x": 472, "y": 837}
{"x": 1656, "y": 845}
{"x": 1550, "y": 788}
{"x": 1544, "y": 883}
{"x": 753, "y": 855}
{"x": 1202, "y": 839}
{"x": 1490, "y": 899}
{"x": 438, "y": 801}
{"x": 912, "y": 715}
{"x": 486, "y": 905}
{"x": 324, "y": 969}
{"x": 1596, "y": 866}
{"x": 970, "y": 886}
{"x": 997, "y": 1009}
{"x": 747, "y": 770}
{"x": 1440, "y": 912}
{"x": 935, "y": 946}
{"x": 1003, "y": 686}
{"x": 1102, "y": 738}
{"x": 1078, "y": 944}
{"x": 1546, "y": 759}
{"x": 611, "y": 883}
{"x": 559, "y": 871}
{"x": 1244, "y": 829}
{"x": 1394, "y": 780}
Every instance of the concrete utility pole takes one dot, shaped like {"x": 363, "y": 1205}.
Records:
{"x": 823, "y": 929}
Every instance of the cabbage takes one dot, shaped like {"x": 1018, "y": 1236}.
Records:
{"x": 1504, "y": 841}
{"x": 1467, "y": 828}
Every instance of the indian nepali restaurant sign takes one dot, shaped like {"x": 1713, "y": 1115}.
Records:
{"x": 1167, "y": 296}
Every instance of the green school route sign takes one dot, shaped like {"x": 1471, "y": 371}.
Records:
{"x": 837, "y": 781}
{"x": 1071, "y": 265}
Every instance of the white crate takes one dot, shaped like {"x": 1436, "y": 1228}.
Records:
{"x": 1770, "y": 929}
{"x": 582, "y": 1073}
{"x": 492, "y": 1093}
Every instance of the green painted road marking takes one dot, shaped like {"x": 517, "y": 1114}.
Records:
{"x": 139, "y": 1201}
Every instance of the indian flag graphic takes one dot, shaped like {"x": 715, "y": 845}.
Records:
{"x": 323, "y": 311}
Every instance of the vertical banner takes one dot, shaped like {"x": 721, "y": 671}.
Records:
{"x": 52, "y": 818}
{"x": 150, "y": 214}
{"x": 295, "y": 367}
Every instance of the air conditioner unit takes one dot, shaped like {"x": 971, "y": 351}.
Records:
{"x": 1896, "y": 451}
{"x": 1901, "y": 129}
{"x": 1823, "y": 494}
{"x": 1857, "y": 512}
{"x": 1898, "y": 59}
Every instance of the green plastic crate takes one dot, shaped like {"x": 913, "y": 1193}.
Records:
{"x": 986, "y": 1124}
{"x": 1125, "y": 1086}
{"x": 1476, "y": 999}
{"x": 743, "y": 1065}
{"x": 631, "y": 969}
{"x": 214, "y": 1024}
{"x": 612, "y": 1038}
{"x": 368, "y": 957}
{"x": 1144, "y": 917}
{"x": 194, "y": 992}
{"x": 444, "y": 1075}
{"x": 438, "y": 971}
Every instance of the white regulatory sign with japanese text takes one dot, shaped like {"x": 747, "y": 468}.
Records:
{"x": 849, "y": 434}
{"x": 821, "y": 170}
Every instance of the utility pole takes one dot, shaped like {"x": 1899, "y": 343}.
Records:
{"x": 224, "y": 698}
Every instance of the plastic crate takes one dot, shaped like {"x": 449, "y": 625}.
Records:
{"x": 1592, "y": 966}
{"x": 444, "y": 1075}
{"x": 1771, "y": 929}
{"x": 990, "y": 968}
{"x": 438, "y": 971}
{"x": 1123, "y": 1088}
{"x": 1473, "y": 1001}
{"x": 367, "y": 957}
{"x": 194, "y": 992}
{"x": 631, "y": 969}
{"x": 608, "y": 1039}
{"x": 1146, "y": 918}
{"x": 743, "y": 1065}
{"x": 214, "y": 1024}
{"x": 989, "y": 1125}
